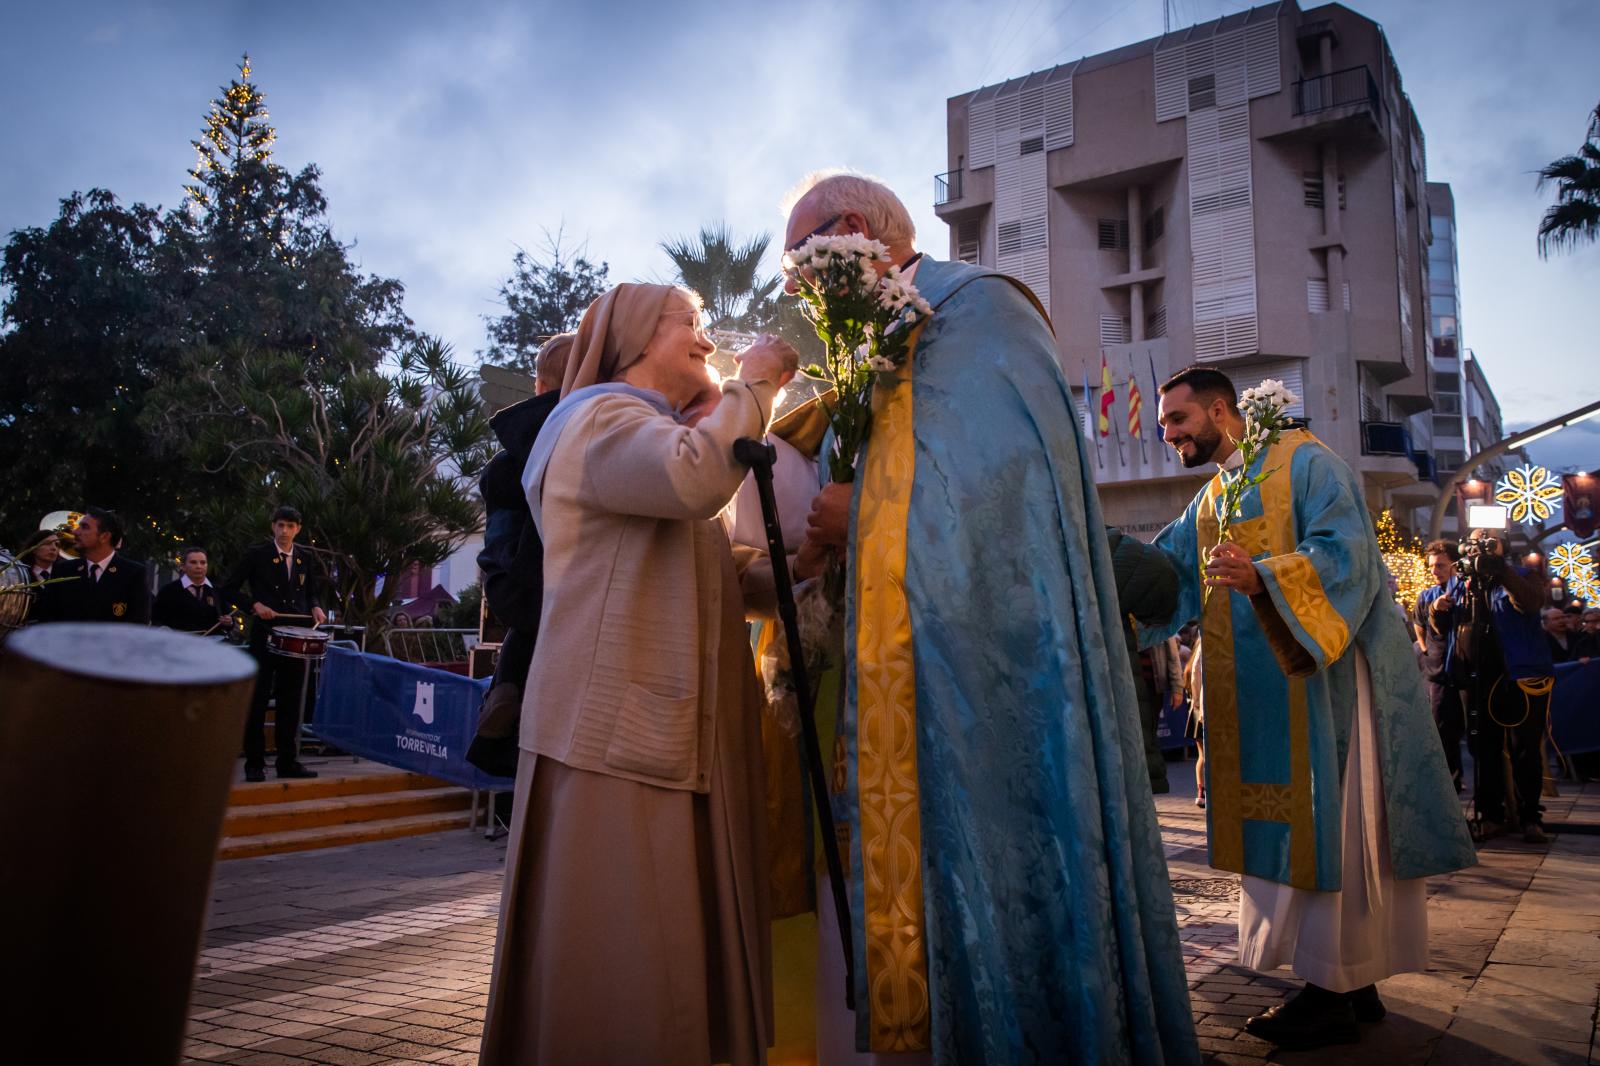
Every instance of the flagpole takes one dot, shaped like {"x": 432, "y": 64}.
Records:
{"x": 1155, "y": 383}
{"x": 1088, "y": 406}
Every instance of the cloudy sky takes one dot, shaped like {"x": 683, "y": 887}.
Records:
{"x": 450, "y": 134}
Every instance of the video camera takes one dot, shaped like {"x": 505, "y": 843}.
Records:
{"x": 1480, "y": 557}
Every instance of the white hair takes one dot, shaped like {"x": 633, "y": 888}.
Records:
{"x": 833, "y": 192}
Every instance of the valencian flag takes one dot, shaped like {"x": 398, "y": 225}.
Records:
{"x": 1135, "y": 407}
{"x": 1580, "y": 503}
{"x": 1108, "y": 396}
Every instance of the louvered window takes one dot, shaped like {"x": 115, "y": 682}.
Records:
{"x": 1222, "y": 232}
{"x": 1010, "y": 242}
{"x": 1032, "y": 145}
{"x": 1202, "y": 92}
{"x": 1317, "y": 295}
{"x": 967, "y": 241}
{"x": 1155, "y": 226}
{"x": 1113, "y": 233}
{"x": 1155, "y": 323}
{"x": 1289, "y": 371}
{"x": 1114, "y": 330}
{"x": 1311, "y": 181}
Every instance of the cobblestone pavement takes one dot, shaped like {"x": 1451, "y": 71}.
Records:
{"x": 380, "y": 953}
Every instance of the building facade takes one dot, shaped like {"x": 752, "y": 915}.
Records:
{"x": 1247, "y": 192}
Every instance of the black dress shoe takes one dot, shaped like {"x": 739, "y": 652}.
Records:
{"x": 254, "y": 773}
{"x": 294, "y": 770}
{"x": 1313, "y": 1018}
{"x": 1366, "y": 1004}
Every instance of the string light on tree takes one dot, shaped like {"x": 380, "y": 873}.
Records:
{"x": 1405, "y": 561}
{"x": 1532, "y": 493}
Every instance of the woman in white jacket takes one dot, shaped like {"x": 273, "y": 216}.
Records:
{"x": 634, "y": 922}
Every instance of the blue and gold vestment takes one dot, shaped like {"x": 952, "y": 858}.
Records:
{"x": 1279, "y": 685}
{"x": 1008, "y": 886}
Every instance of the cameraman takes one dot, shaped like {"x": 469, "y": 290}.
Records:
{"x": 1448, "y": 715}
{"x": 1498, "y": 656}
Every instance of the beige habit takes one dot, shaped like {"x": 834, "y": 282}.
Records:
{"x": 634, "y": 924}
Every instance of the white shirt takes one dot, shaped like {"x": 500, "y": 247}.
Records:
{"x": 103, "y": 564}
{"x": 187, "y": 584}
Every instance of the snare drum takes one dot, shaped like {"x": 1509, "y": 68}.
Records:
{"x": 297, "y": 642}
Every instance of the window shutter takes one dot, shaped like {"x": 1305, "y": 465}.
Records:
{"x": 1172, "y": 86}
{"x": 1289, "y": 371}
{"x": 1317, "y": 295}
{"x": 980, "y": 133}
{"x": 1113, "y": 330}
{"x": 1261, "y": 58}
{"x": 1058, "y": 129}
{"x": 967, "y": 241}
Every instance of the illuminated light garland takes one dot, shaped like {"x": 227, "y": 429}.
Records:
{"x": 1531, "y": 492}
{"x": 1570, "y": 560}
{"x": 1405, "y": 561}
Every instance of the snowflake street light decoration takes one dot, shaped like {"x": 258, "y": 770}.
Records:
{"x": 1531, "y": 492}
{"x": 1570, "y": 560}
{"x": 1585, "y": 585}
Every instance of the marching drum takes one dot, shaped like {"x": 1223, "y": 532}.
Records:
{"x": 297, "y": 642}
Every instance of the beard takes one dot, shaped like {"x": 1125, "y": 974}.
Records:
{"x": 1206, "y": 443}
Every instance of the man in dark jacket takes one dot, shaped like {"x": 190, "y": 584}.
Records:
{"x": 1444, "y": 695}
{"x": 283, "y": 580}
{"x": 512, "y": 560}
{"x": 110, "y": 586}
{"x": 190, "y": 603}
{"x": 1499, "y": 657}
{"x": 1147, "y": 593}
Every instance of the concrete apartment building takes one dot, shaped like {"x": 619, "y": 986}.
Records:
{"x": 1248, "y": 192}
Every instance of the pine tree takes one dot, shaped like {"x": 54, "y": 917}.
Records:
{"x": 236, "y": 139}
{"x": 270, "y": 270}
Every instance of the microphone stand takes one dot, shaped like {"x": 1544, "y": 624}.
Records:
{"x": 759, "y": 458}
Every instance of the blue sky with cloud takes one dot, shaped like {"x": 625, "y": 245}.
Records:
{"x": 450, "y": 134}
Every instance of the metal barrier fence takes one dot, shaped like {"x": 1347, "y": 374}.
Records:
{"x": 447, "y": 649}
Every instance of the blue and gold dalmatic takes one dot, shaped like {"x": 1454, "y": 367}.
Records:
{"x": 1279, "y": 685}
{"x": 1008, "y": 887}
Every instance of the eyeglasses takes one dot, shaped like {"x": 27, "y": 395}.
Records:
{"x": 696, "y": 321}
{"x": 795, "y": 247}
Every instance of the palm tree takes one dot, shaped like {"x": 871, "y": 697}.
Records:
{"x": 723, "y": 271}
{"x": 1575, "y": 216}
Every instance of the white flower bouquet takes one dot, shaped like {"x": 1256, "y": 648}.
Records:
{"x": 864, "y": 311}
{"x": 1263, "y": 408}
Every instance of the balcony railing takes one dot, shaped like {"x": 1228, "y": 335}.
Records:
{"x": 946, "y": 187}
{"x": 1343, "y": 88}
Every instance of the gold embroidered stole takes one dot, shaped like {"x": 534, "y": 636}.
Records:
{"x": 1231, "y": 799}
{"x": 886, "y": 734}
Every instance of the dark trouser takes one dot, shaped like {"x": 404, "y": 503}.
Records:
{"x": 1511, "y": 729}
{"x": 278, "y": 678}
{"x": 1451, "y": 721}
{"x": 516, "y": 655}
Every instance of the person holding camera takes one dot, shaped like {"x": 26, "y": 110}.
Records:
{"x": 1445, "y": 697}
{"x": 1499, "y": 657}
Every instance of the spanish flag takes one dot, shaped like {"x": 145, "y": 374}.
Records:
{"x": 1135, "y": 406}
{"x": 1108, "y": 396}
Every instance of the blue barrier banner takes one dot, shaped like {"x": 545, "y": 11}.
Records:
{"x": 1575, "y": 708}
{"x": 1170, "y": 726}
{"x": 403, "y": 715}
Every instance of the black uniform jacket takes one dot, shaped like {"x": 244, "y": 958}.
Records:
{"x": 178, "y": 608}
{"x": 288, "y": 591}
{"x": 121, "y": 595}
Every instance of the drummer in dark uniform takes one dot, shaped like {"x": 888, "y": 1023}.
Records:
{"x": 284, "y": 584}
{"x": 190, "y": 604}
